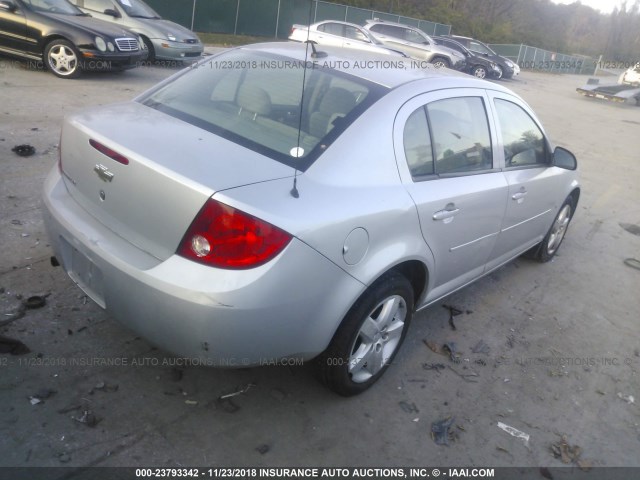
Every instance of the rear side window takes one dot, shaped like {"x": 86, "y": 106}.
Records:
{"x": 256, "y": 99}
{"x": 415, "y": 37}
{"x": 332, "y": 28}
{"x": 524, "y": 143}
{"x": 417, "y": 144}
{"x": 460, "y": 135}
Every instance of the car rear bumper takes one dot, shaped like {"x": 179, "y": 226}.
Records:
{"x": 288, "y": 308}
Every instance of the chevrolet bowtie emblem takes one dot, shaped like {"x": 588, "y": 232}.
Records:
{"x": 103, "y": 172}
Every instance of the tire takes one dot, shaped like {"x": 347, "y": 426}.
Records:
{"x": 546, "y": 250}
{"x": 369, "y": 337}
{"x": 440, "y": 62}
{"x": 62, "y": 59}
{"x": 500, "y": 73}
{"x": 479, "y": 71}
{"x": 152, "y": 53}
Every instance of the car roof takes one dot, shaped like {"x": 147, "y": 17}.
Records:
{"x": 341, "y": 23}
{"x": 390, "y": 72}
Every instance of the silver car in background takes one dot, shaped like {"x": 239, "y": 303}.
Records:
{"x": 340, "y": 34}
{"x": 165, "y": 40}
{"x": 290, "y": 209}
{"x": 416, "y": 44}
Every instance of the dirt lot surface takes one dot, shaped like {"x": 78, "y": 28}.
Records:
{"x": 550, "y": 350}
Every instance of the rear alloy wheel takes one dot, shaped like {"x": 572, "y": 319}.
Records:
{"x": 546, "y": 250}
{"x": 62, "y": 58}
{"x": 369, "y": 337}
{"x": 479, "y": 71}
{"x": 440, "y": 62}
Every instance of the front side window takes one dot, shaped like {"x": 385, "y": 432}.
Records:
{"x": 256, "y": 99}
{"x": 54, "y": 6}
{"x": 138, "y": 9}
{"x": 415, "y": 37}
{"x": 524, "y": 143}
{"x": 355, "y": 34}
{"x": 479, "y": 47}
{"x": 460, "y": 135}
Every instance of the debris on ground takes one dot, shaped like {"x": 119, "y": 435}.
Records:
{"x": 627, "y": 398}
{"x": 36, "y": 301}
{"x": 104, "y": 387}
{"x": 70, "y": 408}
{"x": 88, "y": 418}
{"x": 481, "y": 347}
{"x": 227, "y": 405}
{"x": 453, "y": 312}
{"x": 480, "y": 362}
{"x": 13, "y": 346}
{"x": 467, "y": 377}
{"x": 569, "y": 454}
{"x": 514, "y": 432}
{"x": 632, "y": 262}
{"x": 451, "y": 349}
{"x": 434, "y": 347}
{"x": 64, "y": 458}
{"x": 44, "y": 393}
{"x": 440, "y": 431}
{"x": 631, "y": 228}
{"x": 191, "y": 402}
{"x": 243, "y": 390}
{"x": 24, "y": 150}
{"x": 262, "y": 449}
{"x": 434, "y": 366}
{"x": 408, "y": 407}
{"x": 34, "y": 401}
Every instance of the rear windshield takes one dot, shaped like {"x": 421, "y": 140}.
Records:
{"x": 268, "y": 103}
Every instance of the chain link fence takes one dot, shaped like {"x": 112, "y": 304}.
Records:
{"x": 272, "y": 18}
{"x": 532, "y": 58}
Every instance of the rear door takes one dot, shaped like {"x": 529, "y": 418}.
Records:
{"x": 444, "y": 147}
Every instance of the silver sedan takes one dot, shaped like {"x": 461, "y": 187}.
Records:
{"x": 266, "y": 205}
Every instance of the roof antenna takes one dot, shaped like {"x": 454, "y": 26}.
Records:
{"x": 298, "y": 152}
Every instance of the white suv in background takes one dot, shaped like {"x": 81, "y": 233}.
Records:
{"x": 415, "y": 44}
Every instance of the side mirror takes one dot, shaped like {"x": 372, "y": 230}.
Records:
{"x": 112, "y": 12}
{"x": 8, "y": 5}
{"x": 563, "y": 158}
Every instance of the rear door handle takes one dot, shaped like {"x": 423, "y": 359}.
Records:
{"x": 449, "y": 212}
{"x": 520, "y": 195}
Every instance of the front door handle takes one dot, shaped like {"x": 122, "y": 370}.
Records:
{"x": 448, "y": 213}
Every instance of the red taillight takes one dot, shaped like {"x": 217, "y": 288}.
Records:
{"x": 109, "y": 153}
{"x": 222, "y": 236}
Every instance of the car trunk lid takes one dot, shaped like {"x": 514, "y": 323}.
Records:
{"x": 146, "y": 175}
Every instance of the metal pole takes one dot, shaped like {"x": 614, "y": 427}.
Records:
{"x": 346, "y": 11}
{"x": 315, "y": 13}
{"x": 235, "y": 27}
{"x": 519, "y": 52}
{"x": 278, "y": 19}
{"x": 193, "y": 14}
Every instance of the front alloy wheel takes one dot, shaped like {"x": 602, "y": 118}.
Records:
{"x": 62, "y": 59}
{"x": 369, "y": 337}
{"x": 500, "y": 72}
{"x": 479, "y": 71}
{"x": 546, "y": 250}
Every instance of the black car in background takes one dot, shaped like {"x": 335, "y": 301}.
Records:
{"x": 477, "y": 65}
{"x": 67, "y": 40}
{"x": 508, "y": 69}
